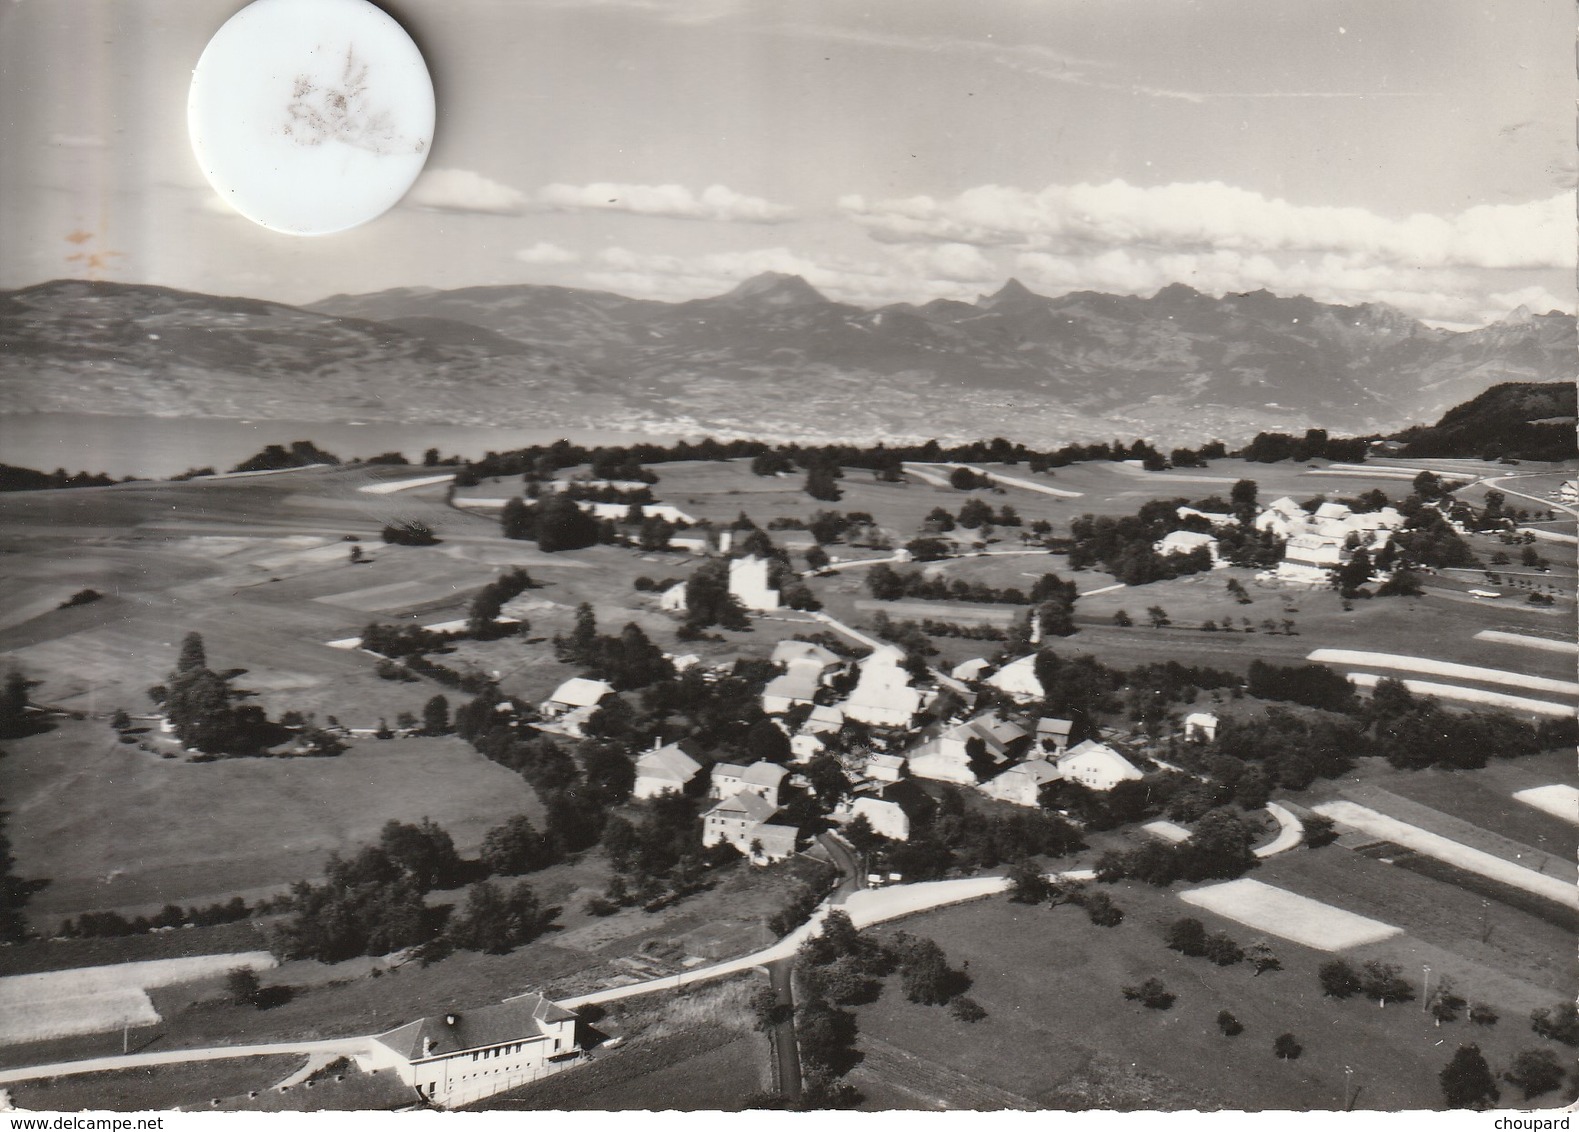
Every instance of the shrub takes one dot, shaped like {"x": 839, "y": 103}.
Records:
{"x": 1287, "y": 1047}
{"x": 1223, "y": 951}
{"x": 967, "y": 1009}
{"x": 1151, "y": 994}
{"x": 1535, "y": 1071}
{"x": 1483, "y": 1014}
{"x": 1187, "y": 935}
{"x": 1229, "y": 1025}
{"x": 1102, "y": 912}
{"x": 1560, "y": 1024}
{"x": 1338, "y": 979}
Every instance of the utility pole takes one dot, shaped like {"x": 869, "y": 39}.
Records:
{"x": 1425, "y": 991}
{"x": 1348, "y": 1082}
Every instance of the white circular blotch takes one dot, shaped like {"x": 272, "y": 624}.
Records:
{"x": 311, "y": 116}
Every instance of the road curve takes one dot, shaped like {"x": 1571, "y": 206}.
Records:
{"x": 347, "y": 1046}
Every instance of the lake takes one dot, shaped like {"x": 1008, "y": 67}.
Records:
{"x": 160, "y": 447}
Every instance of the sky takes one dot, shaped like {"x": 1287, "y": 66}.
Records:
{"x": 1419, "y": 153}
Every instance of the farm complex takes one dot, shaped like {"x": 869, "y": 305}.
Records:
{"x": 730, "y": 775}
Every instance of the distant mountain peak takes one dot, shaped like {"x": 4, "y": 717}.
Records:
{"x": 775, "y": 288}
{"x": 1012, "y": 293}
{"x": 1520, "y": 315}
{"x": 1175, "y": 292}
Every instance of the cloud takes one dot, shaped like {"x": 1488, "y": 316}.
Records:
{"x": 544, "y": 252}
{"x": 716, "y": 202}
{"x": 1212, "y": 216}
{"x": 462, "y": 190}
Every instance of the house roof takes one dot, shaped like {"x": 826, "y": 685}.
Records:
{"x": 1188, "y": 539}
{"x": 970, "y": 669}
{"x": 746, "y": 805}
{"x": 1038, "y": 771}
{"x": 803, "y": 652}
{"x": 763, "y": 773}
{"x": 1204, "y": 718}
{"x": 1100, "y": 754}
{"x": 824, "y": 717}
{"x": 667, "y": 762}
{"x": 799, "y": 683}
{"x": 503, "y": 1022}
{"x": 1018, "y": 677}
{"x": 1332, "y": 511}
{"x": 578, "y": 691}
{"x": 1050, "y": 726}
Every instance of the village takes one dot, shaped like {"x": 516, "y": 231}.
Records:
{"x": 950, "y": 678}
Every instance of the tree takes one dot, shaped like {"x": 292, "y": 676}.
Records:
{"x": 1151, "y": 994}
{"x": 1338, "y": 979}
{"x": 192, "y": 656}
{"x": 1467, "y": 1081}
{"x": 1222, "y": 950}
{"x": 1559, "y": 1023}
{"x": 242, "y": 986}
{"x": 1286, "y": 1047}
{"x": 1384, "y": 983}
{"x": 1243, "y": 498}
{"x": 816, "y": 557}
{"x": 1229, "y": 1025}
{"x": 925, "y": 974}
{"x": 1535, "y": 1071}
{"x": 821, "y": 482}
{"x": 1483, "y": 1014}
{"x": 1122, "y": 619}
{"x": 967, "y": 1009}
{"x": 495, "y": 921}
{"x": 423, "y": 851}
{"x": 563, "y": 525}
{"x": 1319, "y": 830}
{"x": 121, "y": 721}
{"x": 1187, "y": 935}
{"x": 515, "y": 847}
{"x": 436, "y": 716}
{"x": 1027, "y": 885}
{"x": 766, "y": 741}
{"x": 1158, "y": 616}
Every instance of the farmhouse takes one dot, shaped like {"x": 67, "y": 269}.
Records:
{"x": 1018, "y": 680}
{"x": 744, "y": 821}
{"x": 1022, "y": 784}
{"x": 1053, "y": 734}
{"x": 1216, "y": 519}
{"x": 761, "y": 779}
{"x": 665, "y": 768}
{"x": 1187, "y": 542}
{"x": 797, "y": 686}
{"x": 1097, "y": 765}
{"x": 883, "y": 696}
{"x": 1200, "y": 726}
{"x": 748, "y": 582}
{"x": 574, "y": 701}
{"x": 887, "y": 819}
{"x": 970, "y": 669}
{"x": 948, "y": 758}
{"x": 454, "y": 1059}
{"x": 1320, "y": 543}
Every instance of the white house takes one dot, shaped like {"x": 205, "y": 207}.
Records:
{"x": 882, "y": 695}
{"x": 885, "y": 768}
{"x": 947, "y": 758}
{"x": 762, "y": 779}
{"x": 1018, "y": 679}
{"x": 1053, "y": 734}
{"x": 1022, "y": 783}
{"x": 1185, "y": 542}
{"x": 574, "y": 701}
{"x": 1200, "y": 725}
{"x": 748, "y": 582}
{"x": 745, "y": 821}
{"x": 790, "y": 653}
{"x": 1097, "y": 765}
{"x": 1217, "y": 519}
{"x": 662, "y": 769}
{"x": 887, "y": 819}
{"x": 457, "y": 1058}
{"x": 797, "y": 686}
{"x": 672, "y": 600}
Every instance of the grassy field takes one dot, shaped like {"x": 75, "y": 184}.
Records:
{"x": 697, "y": 1051}
{"x": 190, "y": 1086}
{"x": 1058, "y": 1025}
{"x": 115, "y": 827}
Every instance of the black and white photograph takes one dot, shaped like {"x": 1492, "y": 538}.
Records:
{"x": 787, "y": 557}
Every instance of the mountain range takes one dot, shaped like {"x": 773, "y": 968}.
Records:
{"x": 772, "y": 358}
